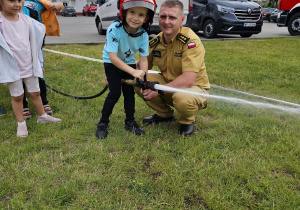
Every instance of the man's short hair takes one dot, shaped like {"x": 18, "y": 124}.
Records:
{"x": 172, "y": 3}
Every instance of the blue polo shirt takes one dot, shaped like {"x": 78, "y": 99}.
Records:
{"x": 118, "y": 41}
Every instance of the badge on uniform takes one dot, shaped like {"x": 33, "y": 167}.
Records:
{"x": 191, "y": 45}
{"x": 156, "y": 53}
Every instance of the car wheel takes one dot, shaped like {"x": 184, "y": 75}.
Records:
{"x": 294, "y": 25}
{"x": 209, "y": 29}
{"x": 100, "y": 29}
{"x": 245, "y": 35}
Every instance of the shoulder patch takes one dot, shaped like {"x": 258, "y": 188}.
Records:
{"x": 183, "y": 38}
{"x": 153, "y": 42}
{"x": 191, "y": 45}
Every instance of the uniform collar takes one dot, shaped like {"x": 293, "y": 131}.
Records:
{"x": 172, "y": 40}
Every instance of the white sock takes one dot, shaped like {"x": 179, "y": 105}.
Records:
{"x": 21, "y": 123}
{"x": 43, "y": 116}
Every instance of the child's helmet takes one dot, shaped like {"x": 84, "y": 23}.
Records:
{"x": 127, "y": 4}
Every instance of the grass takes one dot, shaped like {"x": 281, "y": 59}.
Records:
{"x": 241, "y": 157}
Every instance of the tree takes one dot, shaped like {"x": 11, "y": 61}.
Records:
{"x": 273, "y": 3}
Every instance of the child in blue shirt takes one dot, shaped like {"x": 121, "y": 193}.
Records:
{"x": 123, "y": 39}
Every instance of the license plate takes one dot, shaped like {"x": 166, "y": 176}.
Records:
{"x": 249, "y": 24}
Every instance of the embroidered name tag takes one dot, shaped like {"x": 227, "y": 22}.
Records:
{"x": 191, "y": 45}
{"x": 178, "y": 54}
{"x": 156, "y": 54}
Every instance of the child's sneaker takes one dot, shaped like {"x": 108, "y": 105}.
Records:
{"x": 26, "y": 113}
{"x": 48, "y": 119}
{"x": 22, "y": 130}
{"x": 48, "y": 109}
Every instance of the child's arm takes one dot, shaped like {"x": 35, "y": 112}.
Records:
{"x": 143, "y": 63}
{"x": 56, "y": 6}
{"x": 123, "y": 66}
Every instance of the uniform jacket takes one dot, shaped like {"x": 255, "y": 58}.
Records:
{"x": 9, "y": 71}
{"x": 50, "y": 20}
{"x": 184, "y": 53}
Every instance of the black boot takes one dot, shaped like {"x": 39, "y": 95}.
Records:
{"x": 102, "y": 132}
{"x": 134, "y": 127}
{"x": 157, "y": 119}
{"x": 186, "y": 130}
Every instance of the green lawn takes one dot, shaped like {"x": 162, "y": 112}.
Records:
{"x": 241, "y": 157}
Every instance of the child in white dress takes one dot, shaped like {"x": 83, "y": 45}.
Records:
{"x": 21, "y": 40}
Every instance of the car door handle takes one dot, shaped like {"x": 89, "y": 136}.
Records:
{"x": 108, "y": 5}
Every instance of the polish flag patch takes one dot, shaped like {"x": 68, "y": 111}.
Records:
{"x": 191, "y": 45}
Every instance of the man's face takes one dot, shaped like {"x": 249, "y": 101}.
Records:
{"x": 170, "y": 20}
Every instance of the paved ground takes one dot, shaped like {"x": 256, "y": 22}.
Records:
{"x": 82, "y": 30}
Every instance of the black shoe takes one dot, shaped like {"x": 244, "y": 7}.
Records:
{"x": 102, "y": 132}
{"x": 186, "y": 130}
{"x": 134, "y": 127}
{"x": 157, "y": 119}
{"x": 2, "y": 112}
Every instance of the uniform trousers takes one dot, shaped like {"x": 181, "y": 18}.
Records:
{"x": 185, "y": 104}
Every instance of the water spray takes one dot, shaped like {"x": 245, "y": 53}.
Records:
{"x": 155, "y": 86}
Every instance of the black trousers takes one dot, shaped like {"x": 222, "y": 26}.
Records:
{"x": 43, "y": 93}
{"x": 114, "y": 77}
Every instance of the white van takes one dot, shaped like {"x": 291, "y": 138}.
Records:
{"x": 108, "y": 12}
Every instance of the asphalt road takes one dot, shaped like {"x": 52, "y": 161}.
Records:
{"x": 82, "y": 30}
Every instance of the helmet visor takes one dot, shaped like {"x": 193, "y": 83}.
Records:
{"x": 130, "y": 4}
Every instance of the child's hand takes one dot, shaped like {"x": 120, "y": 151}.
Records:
{"x": 55, "y": 6}
{"x": 139, "y": 74}
{"x": 106, "y": 82}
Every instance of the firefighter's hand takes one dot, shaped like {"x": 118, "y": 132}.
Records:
{"x": 148, "y": 94}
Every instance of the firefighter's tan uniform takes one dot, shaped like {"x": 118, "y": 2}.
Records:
{"x": 184, "y": 53}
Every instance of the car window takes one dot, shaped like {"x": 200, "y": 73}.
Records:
{"x": 201, "y": 1}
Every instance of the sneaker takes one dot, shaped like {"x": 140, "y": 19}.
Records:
{"x": 22, "y": 130}
{"x": 102, "y": 132}
{"x": 48, "y": 109}
{"x": 134, "y": 127}
{"x": 48, "y": 119}
{"x": 26, "y": 113}
{"x": 2, "y": 112}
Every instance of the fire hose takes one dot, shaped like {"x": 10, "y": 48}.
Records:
{"x": 155, "y": 86}
{"x": 78, "y": 97}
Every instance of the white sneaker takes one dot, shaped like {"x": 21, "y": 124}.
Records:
{"x": 22, "y": 130}
{"x": 48, "y": 119}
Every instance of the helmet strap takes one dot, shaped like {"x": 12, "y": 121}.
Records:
{"x": 134, "y": 35}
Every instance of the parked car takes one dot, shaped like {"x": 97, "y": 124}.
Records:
{"x": 274, "y": 14}
{"x": 213, "y": 17}
{"x": 89, "y": 9}
{"x": 266, "y": 13}
{"x": 68, "y": 11}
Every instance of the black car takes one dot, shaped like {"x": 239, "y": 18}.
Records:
{"x": 214, "y": 17}
{"x": 274, "y": 14}
{"x": 266, "y": 13}
{"x": 68, "y": 11}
